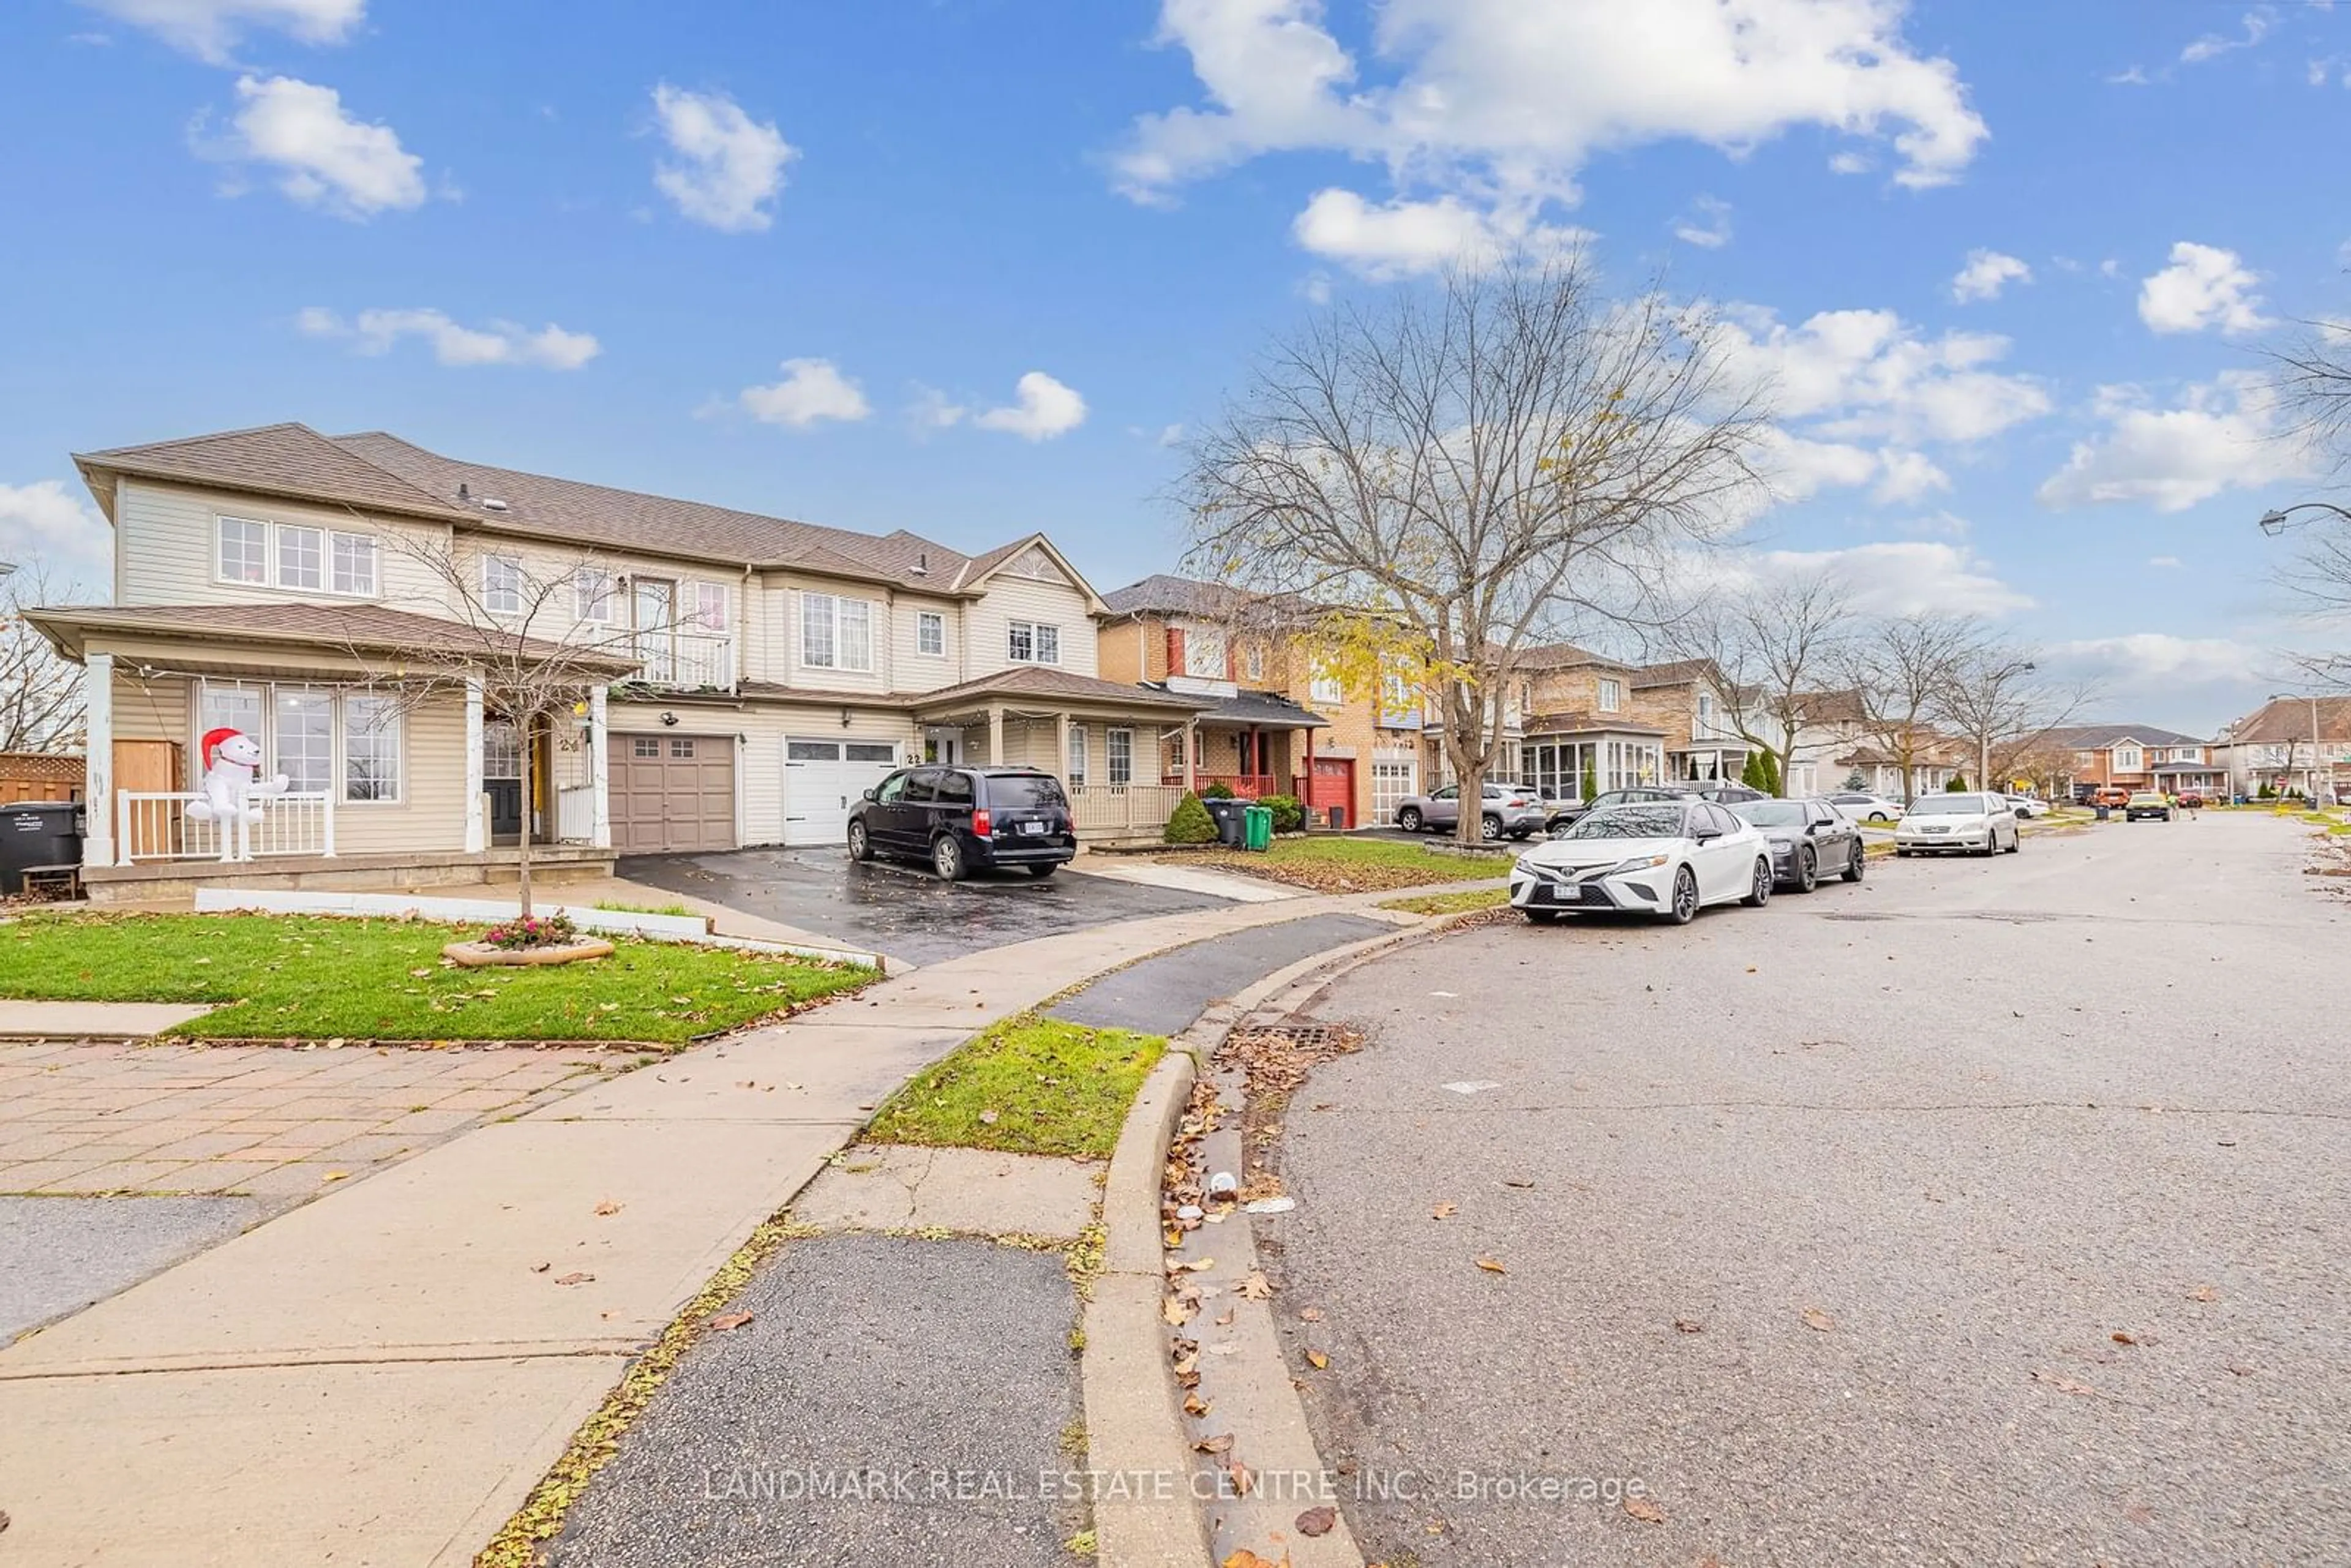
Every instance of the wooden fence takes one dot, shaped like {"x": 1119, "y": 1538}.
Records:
{"x": 39, "y": 776}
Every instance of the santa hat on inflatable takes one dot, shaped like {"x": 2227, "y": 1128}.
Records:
{"x": 212, "y": 740}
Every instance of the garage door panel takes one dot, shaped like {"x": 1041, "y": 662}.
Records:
{"x": 823, "y": 779}
{"x": 678, "y": 799}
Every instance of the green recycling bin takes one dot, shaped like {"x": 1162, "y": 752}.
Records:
{"x": 1256, "y": 827}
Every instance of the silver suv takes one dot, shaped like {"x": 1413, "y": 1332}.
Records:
{"x": 1511, "y": 811}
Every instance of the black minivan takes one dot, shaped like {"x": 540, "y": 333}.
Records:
{"x": 963, "y": 820}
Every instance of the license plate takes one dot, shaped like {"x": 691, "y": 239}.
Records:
{"x": 1935, "y": 830}
{"x": 1032, "y": 829}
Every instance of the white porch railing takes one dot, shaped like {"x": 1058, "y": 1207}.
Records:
{"x": 156, "y": 826}
{"x": 1122, "y": 808}
{"x": 575, "y": 814}
{"x": 687, "y": 661}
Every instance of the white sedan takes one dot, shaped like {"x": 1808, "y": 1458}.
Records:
{"x": 1966, "y": 823}
{"x": 1666, "y": 857}
{"x": 1865, "y": 807}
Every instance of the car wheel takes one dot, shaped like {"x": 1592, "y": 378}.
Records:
{"x": 1409, "y": 819}
{"x": 1880, "y": 818}
{"x": 1044, "y": 870}
{"x": 1521, "y": 834}
{"x": 861, "y": 846}
{"x": 947, "y": 858}
{"x": 1684, "y": 908}
{"x": 1541, "y": 916}
{"x": 2015, "y": 842}
{"x": 1808, "y": 871}
{"x": 1857, "y": 862}
{"x": 1489, "y": 828}
{"x": 1759, "y": 891}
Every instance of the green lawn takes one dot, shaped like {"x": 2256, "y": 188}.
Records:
{"x": 1031, "y": 1085}
{"x": 1334, "y": 864}
{"x": 312, "y": 977}
{"x": 1452, "y": 902}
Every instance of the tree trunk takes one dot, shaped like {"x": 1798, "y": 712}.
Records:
{"x": 530, "y": 803}
{"x": 1468, "y": 767}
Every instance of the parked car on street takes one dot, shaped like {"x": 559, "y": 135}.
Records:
{"x": 1667, "y": 858}
{"x": 1569, "y": 811}
{"x": 1967, "y": 823}
{"x": 2147, "y": 803}
{"x": 2029, "y": 806}
{"x": 963, "y": 820}
{"x": 1864, "y": 806}
{"x": 2114, "y": 797}
{"x": 1810, "y": 839}
{"x": 1732, "y": 795}
{"x": 1509, "y": 810}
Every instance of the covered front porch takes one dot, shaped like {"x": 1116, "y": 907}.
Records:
{"x": 1104, "y": 740}
{"x": 1560, "y": 762}
{"x": 1255, "y": 743}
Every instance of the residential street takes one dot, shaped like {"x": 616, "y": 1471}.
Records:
{"x": 1988, "y": 1211}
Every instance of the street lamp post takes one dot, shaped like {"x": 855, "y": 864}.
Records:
{"x": 2276, "y": 521}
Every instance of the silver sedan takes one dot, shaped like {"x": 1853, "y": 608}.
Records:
{"x": 1510, "y": 812}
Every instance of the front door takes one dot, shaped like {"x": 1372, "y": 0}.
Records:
{"x": 502, "y": 778}
{"x": 944, "y": 746}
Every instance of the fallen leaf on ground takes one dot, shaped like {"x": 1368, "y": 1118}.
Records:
{"x": 1226, "y": 1319}
{"x": 1443, "y": 1211}
{"x": 2121, "y": 1338}
{"x": 1317, "y": 1520}
{"x": 574, "y": 1279}
{"x": 607, "y": 1208}
{"x": 2203, "y": 1293}
{"x": 1493, "y": 1265}
{"x": 1243, "y": 1477}
{"x": 1689, "y": 1325}
{"x": 1190, "y": 1265}
{"x": 1512, "y": 1181}
{"x": 1253, "y": 1287}
{"x": 335, "y": 1175}
{"x": 1219, "y": 1444}
{"x": 726, "y": 1321}
{"x": 1645, "y": 1510}
{"x": 1818, "y": 1321}
{"x": 1310, "y": 1314}
{"x": 1175, "y": 1312}
{"x": 1244, "y": 1558}
{"x": 2063, "y": 1384}
{"x": 1195, "y": 1407}
{"x": 1316, "y": 1360}
{"x": 987, "y": 1118}
{"x": 540, "y": 1268}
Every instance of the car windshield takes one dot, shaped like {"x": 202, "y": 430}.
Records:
{"x": 1656, "y": 821}
{"x": 1773, "y": 813}
{"x": 1012, "y": 792}
{"x": 1947, "y": 806}
{"x": 2144, "y": 799}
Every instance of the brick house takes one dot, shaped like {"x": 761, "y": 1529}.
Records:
{"x": 1281, "y": 721}
{"x": 2139, "y": 757}
{"x": 1691, "y": 703}
{"x": 1573, "y": 712}
{"x": 2273, "y": 745}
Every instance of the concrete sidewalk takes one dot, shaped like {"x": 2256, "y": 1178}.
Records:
{"x": 381, "y": 1375}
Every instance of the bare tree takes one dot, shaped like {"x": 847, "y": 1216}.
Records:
{"x": 41, "y": 706}
{"x": 1773, "y": 643}
{"x": 1901, "y": 668}
{"x": 1996, "y": 696}
{"x": 1473, "y": 467}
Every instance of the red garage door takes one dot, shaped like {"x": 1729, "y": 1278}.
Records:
{"x": 1331, "y": 784}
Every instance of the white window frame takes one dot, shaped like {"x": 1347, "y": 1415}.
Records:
{"x": 1254, "y": 661}
{"x": 277, "y": 752}
{"x": 372, "y": 554}
{"x": 713, "y": 609}
{"x": 1326, "y": 687}
{"x": 262, "y": 698}
{"x": 591, "y": 595}
{"x": 1118, "y": 756}
{"x": 397, "y": 725}
{"x": 1042, "y": 639}
{"x": 931, "y": 633}
{"x": 288, "y": 535}
{"x": 1207, "y": 654}
{"x": 1610, "y": 698}
{"x": 2138, "y": 763}
{"x": 834, "y": 620}
{"x": 221, "y": 526}
{"x": 501, "y": 584}
{"x": 1076, "y": 761}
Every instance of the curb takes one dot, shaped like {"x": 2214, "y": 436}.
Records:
{"x": 1137, "y": 1441}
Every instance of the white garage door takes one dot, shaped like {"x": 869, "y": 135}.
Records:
{"x": 822, "y": 779}
{"x": 1391, "y": 782}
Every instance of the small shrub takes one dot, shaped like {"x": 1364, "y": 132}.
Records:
{"x": 1854, "y": 780}
{"x": 1958, "y": 786}
{"x": 1289, "y": 812}
{"x": 2267, "y": 792}
{"x": 1190, "y": 823}
{"x": 532, "y": 931}
{"x": 1589, "y": 783}
{"x": 1217, "y": 791}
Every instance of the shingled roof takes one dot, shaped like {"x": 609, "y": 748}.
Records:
{"x": 2098, "y": 736}
{"x": 2288, "y": 719}
{"x": 362, "y": 628}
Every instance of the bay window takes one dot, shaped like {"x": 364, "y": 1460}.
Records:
{"x": 305, "y": 748}
{"x": 341, "y": 743}
{"x": 836, "y": 634}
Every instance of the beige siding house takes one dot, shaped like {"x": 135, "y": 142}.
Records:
{"x": 740, "y": 679}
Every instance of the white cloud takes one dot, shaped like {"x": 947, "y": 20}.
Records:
{"x": 1170, "y": 435}
{"x": 1987, "y": 272}
{"x": 209, "y": 30}
{"x": 811, "y": 390}
{"x": 498, "y": 343}
{"x": 1868, "y": 373}
{"x": 2161, "y": 656}
{"x": 2134, "y": 76}
{"x": 1043, "y": 408}
{"x": 1905, "y": 577}
{"x": 2257, "y": 23}
{"x": 1500, "y": 103}
{"x": 1710, "y": 230}
{"x": 729, "y": 166}
{"x": 2203, "y": 286}
{"x": 324, "y": 157}
{"x": 1796, "y": 468}
{"x": 2165, "y": 562}
{"x": 1906, "y": 477}
{"x": 44, "y": 526}
{"x": 2220, "y": 435}
{"x": 933, "y": 410}
{"x": 1851, "y": 164}
{"x": 1403, "y": 238}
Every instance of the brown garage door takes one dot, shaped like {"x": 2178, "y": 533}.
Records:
{"x": 672, "y": 792}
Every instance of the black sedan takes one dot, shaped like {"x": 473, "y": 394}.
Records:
{"x": 1810, "y": 839}
{"x": 1640, "y": 795}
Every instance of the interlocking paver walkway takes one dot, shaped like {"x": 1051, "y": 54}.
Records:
{"x": 274, "y": 1122}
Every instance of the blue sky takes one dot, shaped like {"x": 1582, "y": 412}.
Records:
{"x": 961, "y": 266}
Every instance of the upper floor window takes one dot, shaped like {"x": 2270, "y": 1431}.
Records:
{"x": 931, "y": 633}
{"x": 301, "y": 557}
{"x": 353, "y": 565}
{"x": 1326, "y": 687}
{"x": 836, "y": 634}
{"x": 1203, "y": 654}
{"x": 712, "y": 608}
{"x": 591, "y": 594}
{"x": 243, "y": 553}
{"x": 1256, "y": 664}
{"x": 1611, "y": 694}
{"x": 501, "y": 585}
{"x": 2128, "y": 760}
{"x": 2188, "y": 754}
{"x": 1705, "y": 708}
{"x": 1033, "y": 643}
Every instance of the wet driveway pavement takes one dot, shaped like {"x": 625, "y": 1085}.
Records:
{"x": 904, "y": 911}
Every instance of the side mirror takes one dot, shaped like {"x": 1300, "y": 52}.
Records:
{"x": 875, "y": 794}
{"x": 1706, "y": 835}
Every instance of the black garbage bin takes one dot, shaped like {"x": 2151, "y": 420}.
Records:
{"x": 1229, "y": 817}
{"x": 37, "y": 833}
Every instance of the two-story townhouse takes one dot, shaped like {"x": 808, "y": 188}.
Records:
{"x": 2135, "y": 757}
{"x": 1695, "y": 708}
{"x": 1288, "y": 718}
{"x": 1579, "y": 718}
{"x": 742, "y": 678}
{"x": 2291, "y": 745}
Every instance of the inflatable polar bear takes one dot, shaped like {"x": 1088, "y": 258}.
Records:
{"x": 230, "y": 792}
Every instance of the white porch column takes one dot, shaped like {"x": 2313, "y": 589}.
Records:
{"x": 599, "y": 796}
{"x": 478, "y": 836}
{"x": 1061, "y": 745}
{"x": 1191, "y": 749}
{"x": 98, "y": 846}
{"x": 995, "y": 735}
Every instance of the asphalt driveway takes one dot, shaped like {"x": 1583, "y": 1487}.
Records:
{"x": 1989, "y": 1212}
{"x": 904, "y": 911}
